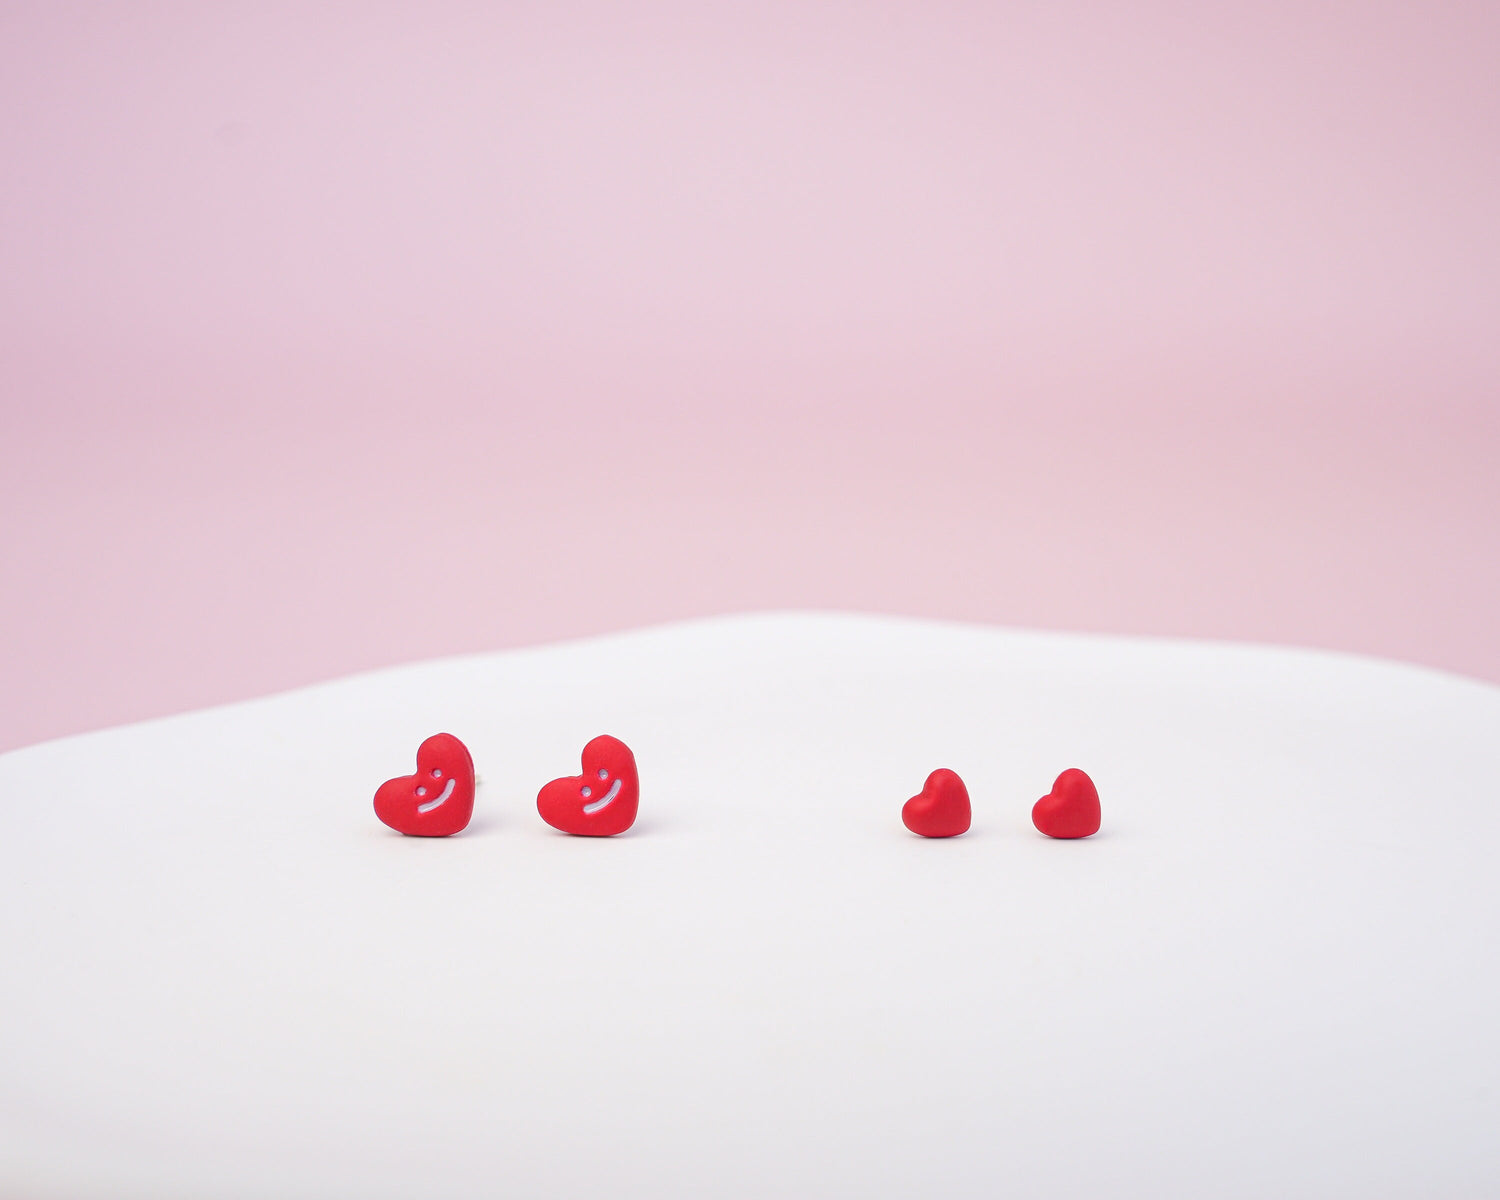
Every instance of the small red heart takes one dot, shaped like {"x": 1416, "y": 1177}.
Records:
{"x": 942, "y": 808}
{"x": 1070, "y": 809}
{"x": 602, "y": 801}
{"x": 438, "y": 799}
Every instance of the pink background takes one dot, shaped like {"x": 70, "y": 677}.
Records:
{"x": 331, "y": 339}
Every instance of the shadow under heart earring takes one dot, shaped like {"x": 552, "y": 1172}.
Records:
{"x": 439, "y": 799}
{"x": 603, "y": 800}
{"x": 941, "y": 808}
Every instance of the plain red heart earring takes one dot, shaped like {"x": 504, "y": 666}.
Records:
{"x": 1070, "y": 809}
{"x": 941, "y": 808}
{"x": 439, "y": 799}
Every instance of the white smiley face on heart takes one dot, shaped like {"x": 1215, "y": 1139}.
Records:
{"x": 587, "y": 791}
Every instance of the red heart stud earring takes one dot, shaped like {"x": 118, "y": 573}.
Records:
{"x": 1070, "y": 809}
{"x": 439, "y": 799}
{"x": 941, "y": 809}
{"x": 602, "y": 801}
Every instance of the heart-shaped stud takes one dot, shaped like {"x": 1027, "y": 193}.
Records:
{"x": 1070, "y": 809}
{"x": 603, "y": 800}
{"x": 439, "y": 799}
{"x": 941, "y": 809}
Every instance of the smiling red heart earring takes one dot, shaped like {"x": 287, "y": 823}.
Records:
{"x": 603, "y": 800}
{"x": 439, "y": 799}
{"x": 941, "y": 808}
{"x": 1070, "y": 809}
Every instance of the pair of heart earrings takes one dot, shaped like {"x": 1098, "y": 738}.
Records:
{"x": 941, "y": 809}
{"x": 438, "y": 799}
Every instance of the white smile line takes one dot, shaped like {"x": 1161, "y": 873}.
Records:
{"x": 605, "y": 800}
{"x": 447, "y": 791}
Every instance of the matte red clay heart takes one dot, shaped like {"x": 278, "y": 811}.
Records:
{"x": 602, "y": 801}
{"x": 942, "y": 808}
{"x": 439, "y": 799}
{"x": 1070, "y": 809}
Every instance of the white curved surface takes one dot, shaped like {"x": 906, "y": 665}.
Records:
{"x": 1273, "y": 973}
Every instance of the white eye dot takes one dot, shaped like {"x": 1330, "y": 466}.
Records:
{"x": 421, "y": 791}
{"x": 587, "y": 792}
{"x": 436, "y": 774}
{"x": 603, "y": 774}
